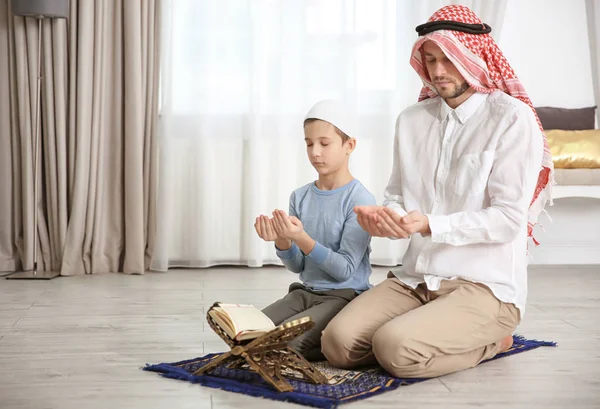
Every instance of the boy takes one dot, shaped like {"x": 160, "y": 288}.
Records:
{"x": 321, "y": 239}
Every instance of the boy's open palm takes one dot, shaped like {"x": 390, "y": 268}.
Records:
{"x": 264, "y": 228}
{"x": 287, "y": 227}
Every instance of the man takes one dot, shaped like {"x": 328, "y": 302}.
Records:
{"x": 472, "y": 169}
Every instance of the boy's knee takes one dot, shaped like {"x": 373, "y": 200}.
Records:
{"x": 305, "y": 342}
{"x": 336, "y": 341}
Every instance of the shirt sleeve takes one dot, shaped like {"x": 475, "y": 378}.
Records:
{"x": 511, "y": 184}
{"x": 292, "y": 258}
{"x": 393, "y": 191}
{"x": 342, "y": 264}
{"x": 392, "y": 194}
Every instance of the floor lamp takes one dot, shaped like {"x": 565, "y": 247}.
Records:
{"x": 38, "y": 9}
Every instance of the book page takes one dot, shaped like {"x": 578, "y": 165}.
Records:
{"x": 247, "y": 318}
{"x": 223, "y": 321}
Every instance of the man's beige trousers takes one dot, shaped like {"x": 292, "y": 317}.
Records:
{"x": 419, "y": 333}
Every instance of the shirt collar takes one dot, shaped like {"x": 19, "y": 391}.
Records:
{"x": 465, "y": 110}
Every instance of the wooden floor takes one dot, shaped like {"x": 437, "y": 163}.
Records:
{"x": 79, "y": 343}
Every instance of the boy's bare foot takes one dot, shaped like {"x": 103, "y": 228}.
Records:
{"x": 506, "y": 343}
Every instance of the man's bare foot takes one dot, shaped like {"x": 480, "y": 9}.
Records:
{"x": 506, "y": 343}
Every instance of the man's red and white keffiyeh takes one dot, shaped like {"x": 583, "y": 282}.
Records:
{"x": 482, "y": 64}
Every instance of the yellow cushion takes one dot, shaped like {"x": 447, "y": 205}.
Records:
{"x": 575, "y": 149}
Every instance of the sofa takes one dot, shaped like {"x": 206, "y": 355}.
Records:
{"x": 570, "y": 232}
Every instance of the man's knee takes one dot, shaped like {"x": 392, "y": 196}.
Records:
{"x": 396, "y": 351}
{"x": 336, "y": 340}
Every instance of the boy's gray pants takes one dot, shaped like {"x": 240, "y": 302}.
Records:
{"x": 320, "y": 306}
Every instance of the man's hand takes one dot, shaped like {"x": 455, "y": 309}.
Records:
{"x": 405, "y": 226}
{"x": 390, "y": 224}
{"x": 380, "y": 221}
{"x": 366, "y": 217}
{"x": 264, "y": 228}
{"x": 415, "y": 222}
{"x": 287, "y": 227}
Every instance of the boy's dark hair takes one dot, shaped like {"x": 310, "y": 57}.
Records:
{"x": 344, "y": 137}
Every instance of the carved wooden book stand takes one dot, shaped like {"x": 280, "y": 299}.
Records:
{"x": 269, "y": 355}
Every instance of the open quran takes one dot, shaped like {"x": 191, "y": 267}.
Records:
{"x": 241, "y": 321}
{"x": 257, "y": 344}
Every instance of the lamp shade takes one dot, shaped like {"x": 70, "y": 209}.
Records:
{"x": 40, "y": 8}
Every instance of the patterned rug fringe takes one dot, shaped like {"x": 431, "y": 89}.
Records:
{"x": 527, "y": 343}
{"x": 231, "y": 385}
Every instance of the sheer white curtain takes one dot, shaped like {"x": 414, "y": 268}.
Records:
{"x": 237, "y": 78}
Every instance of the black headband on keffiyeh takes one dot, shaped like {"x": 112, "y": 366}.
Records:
{"x": 432, "y": 26}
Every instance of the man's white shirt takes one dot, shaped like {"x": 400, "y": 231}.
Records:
{"x": 472, "y": 170}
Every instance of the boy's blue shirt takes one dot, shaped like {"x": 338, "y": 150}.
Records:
{"x": 341, "y": 256}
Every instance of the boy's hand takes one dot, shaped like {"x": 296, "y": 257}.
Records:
{"x": 264, "y": 228}
{"x": 287, "y": 227}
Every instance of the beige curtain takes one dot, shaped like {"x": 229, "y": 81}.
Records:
{"x": 8, "y": 250}
{"x": 96, "y": 210}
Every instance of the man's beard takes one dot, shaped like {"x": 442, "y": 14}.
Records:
{"x": 460, "y": 90}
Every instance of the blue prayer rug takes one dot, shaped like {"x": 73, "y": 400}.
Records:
{"x": 344, "y": 386}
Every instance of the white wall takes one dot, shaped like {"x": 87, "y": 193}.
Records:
{"x": 573, "y": 235}
{"x": 546, "y": 42}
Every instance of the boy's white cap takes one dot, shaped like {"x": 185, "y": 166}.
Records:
{"x": 336, "y": 113}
